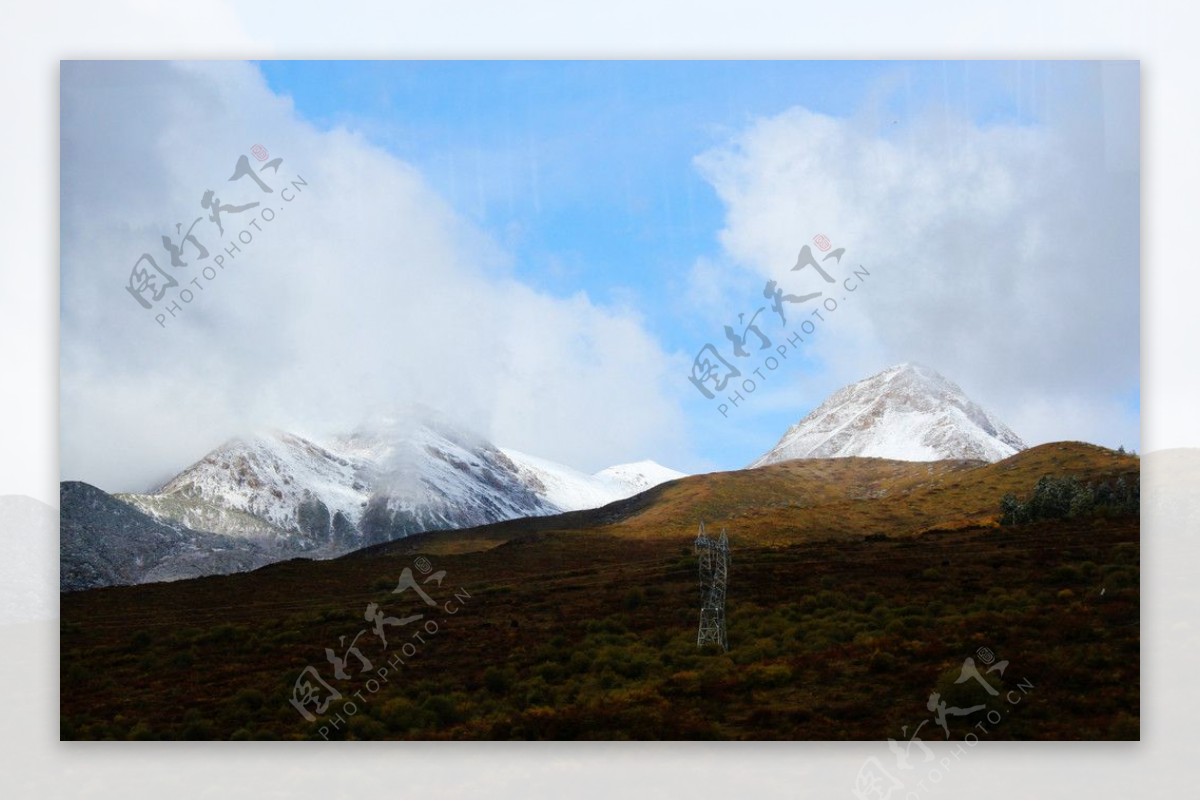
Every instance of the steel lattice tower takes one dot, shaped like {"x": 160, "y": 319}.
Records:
{"x": 714, "y": 576}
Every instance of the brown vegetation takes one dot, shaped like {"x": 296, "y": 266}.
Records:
{"x": 857, "y": 586}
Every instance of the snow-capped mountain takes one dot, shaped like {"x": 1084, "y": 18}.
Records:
{"x": 427, "y": 474}
{"x": 572, "y": 490}
{"x": 907, "y": 412}
{"x": 394, "y": 478}
{"x": 276, "y": 495}
{"x": 373, "y": 485}
{"x": 638, "y": 477}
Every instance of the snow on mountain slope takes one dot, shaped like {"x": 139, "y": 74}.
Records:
{"x": 564, "y": 487}
{"x": 261, "y": 485}
{"x": 430, "y": 474}
{"x": 202, "y": 515}
{"x": 907, "y": 412}
{"x": 639, "y": 476}
{"x": 572, "y": 490}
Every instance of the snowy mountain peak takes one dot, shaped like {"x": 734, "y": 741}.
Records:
{"x": 909, "y": 412}
{"x": 639, "y": 476}
{"x": 391, "y": 477}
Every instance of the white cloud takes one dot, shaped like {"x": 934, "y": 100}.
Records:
{"x": 1004, "y": 256}
{"x": 366, "y": 293}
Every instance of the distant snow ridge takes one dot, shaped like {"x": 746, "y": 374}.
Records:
{"x": 639, "y": 476}
{"x": 571, "y": 490}
{"x": 907, "y": 412}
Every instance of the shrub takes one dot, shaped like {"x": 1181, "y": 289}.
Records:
{"x": 364, "y": 727}
{"x": 249, "y": 699}
{"x": 141, "y": 732}
{"x": 498, "y": 681}
{"x": 772, "y": 675}
{"x": 401, "y": 715}
{"x": 685, "y": 683}
{"x": 196, "y": 726}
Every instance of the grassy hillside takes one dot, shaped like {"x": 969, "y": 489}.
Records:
{"x": 798, "y": 501}
{"x": 857, "y": 588}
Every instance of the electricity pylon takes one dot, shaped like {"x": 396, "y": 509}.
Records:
{"x": 714, "y": 576}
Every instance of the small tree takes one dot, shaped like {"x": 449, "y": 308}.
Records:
{"x": 1010, "y": 510}
{"x": 1082, "y": 500}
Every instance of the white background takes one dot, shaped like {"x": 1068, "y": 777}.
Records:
{"x": 1164, "y": 36}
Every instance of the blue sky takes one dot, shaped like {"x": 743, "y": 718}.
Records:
{"x": 541, "y": 249}
{"x": 585, "y": 172}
